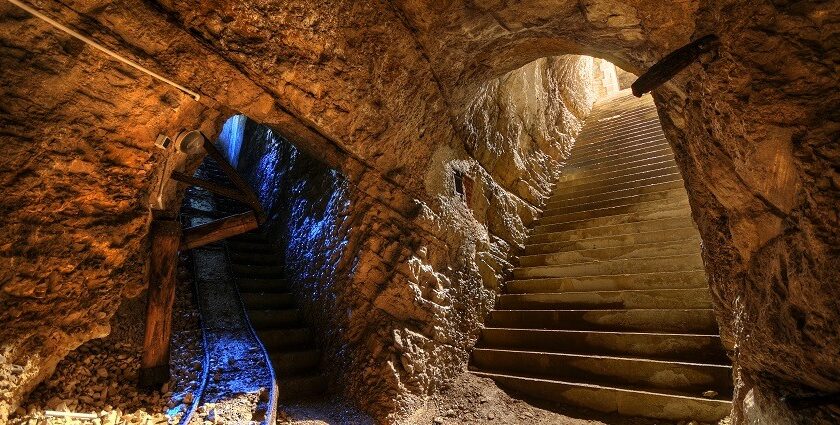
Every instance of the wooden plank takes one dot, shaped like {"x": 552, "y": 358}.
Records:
{"x": 672, "y": 64}
{"x": 217, "y": 230}
{"x": 154, "y": 364}
{"x": 235, "y": 178}
{"x": 227, "y": 192}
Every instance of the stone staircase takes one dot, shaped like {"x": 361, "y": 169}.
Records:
{"x": 255, "y": 263}
{"x": 608, "y": 307}
{"x": 274, "y": 315}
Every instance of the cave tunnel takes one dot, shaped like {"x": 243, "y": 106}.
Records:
{"x": 420, "y": 213}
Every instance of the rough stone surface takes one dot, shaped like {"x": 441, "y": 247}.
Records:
{"x": 379, "y": 90}
{"x": 415, "y": 296}
{"x": 78, "y": 157}
{"x": 100, "y": 376}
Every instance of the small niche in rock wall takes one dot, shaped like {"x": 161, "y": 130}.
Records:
{"x": 463, "y": 186}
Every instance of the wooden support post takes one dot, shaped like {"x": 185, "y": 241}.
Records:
{"x": 154, "y": 365}
{"x": 194, "y": 237}
{"x": 675, "y": 62}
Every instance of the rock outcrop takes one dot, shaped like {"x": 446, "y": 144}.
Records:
{"x": 397, "y": 300}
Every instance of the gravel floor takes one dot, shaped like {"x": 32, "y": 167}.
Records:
{"x": 329, "y": 410}
{"x": 100, "y": 377}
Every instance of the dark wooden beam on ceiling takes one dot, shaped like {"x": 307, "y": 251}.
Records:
{"x": 673, "y": 63}
{"x": 225, "y": 191}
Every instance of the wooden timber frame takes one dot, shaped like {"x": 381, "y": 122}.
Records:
{"x": 167, "y": 238}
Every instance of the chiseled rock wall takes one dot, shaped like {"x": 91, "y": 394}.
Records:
{"x": 78, "y": 155}
{"x": 397, "y": 306}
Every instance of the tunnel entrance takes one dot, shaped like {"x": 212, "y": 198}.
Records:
{"x": 250, "y": 287}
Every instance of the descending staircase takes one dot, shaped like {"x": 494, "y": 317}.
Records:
{"x": 275, "y": 317}
{"x": 608, "y": 308}
{"x": 255, "y": 264}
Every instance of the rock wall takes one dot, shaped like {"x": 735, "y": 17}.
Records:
{"x": 78, "y": 157}
{"x": 380, "y": 90}
{"x": 397, "y": 305}
{"x": 760, "y": 157}
{"x": 625, "y": 79}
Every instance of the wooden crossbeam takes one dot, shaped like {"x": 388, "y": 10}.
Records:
{"x": 216, "y": 230}
{"x": 235, "y": 178}
{"x": 225, "y": 191}
{"x": 672, "y": 64}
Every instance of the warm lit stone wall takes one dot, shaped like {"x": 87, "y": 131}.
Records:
{"x": 78, "y": 156}
{"x": 397, "y": 304}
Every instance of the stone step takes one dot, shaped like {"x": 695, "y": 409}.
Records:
{"x": 679, "y": 202}
{"x": 663, "y": 166}
{"x": 262, "y": 258}
{"x": 299, "y": 362}
{"x": 615, "y": 400}
{"x": 674, "y": 263}
{"x": 667, "y": 195}
{"x": 631, "y": 149}
{"x": 302, "y": 386}
{"x": 267, "y": 300}
{"x": 659, "y": 346}
{"x": 677, "y": 211}
{"x": 635, "y": 160}
{"x": 658, "y": 280}
{"x": 257, "y": 271}
{"x": 607, "y": 148}
{"x": 254, "y": 237}
{"x": 274, "y": 318}
{"x": 688, "y": 379}
{"x": 669, "y": 248}
{"x": 276, "y": 339}
{"x": 611, "y": 110}
{"x": 659, "y": 236}
{"x": 230, "y": 209}
{"x": 630, "y": 228}
{"x": 590, "y": 175}
{"x": 621, "y": 129}
{"x": 255, "y": 247}
{"x": 261, "y": 285}
{"x": 636, "y": 147}
{"x": 675, "y": 182}
{"x": 617, "y": 131}
{"x": 598, "y": 141}
{"x": 613, "y": 121}
{"x": 690, "y": 321}
{"x": 612, "y": 300}
{"x": 657, "y": 175}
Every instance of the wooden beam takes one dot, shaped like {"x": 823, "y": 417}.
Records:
{"x": 672, "y": 64}
{"x": 227, "y": 192}
{"x": 154, "y": 364}
{"x": 217, "y": 230}
{"x": 235, "y": 178}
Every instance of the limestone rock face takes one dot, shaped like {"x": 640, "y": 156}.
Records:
{"x": 398, "y": 96}
{"x": 397, "y": 300}
{"x": 78, "y": 158}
